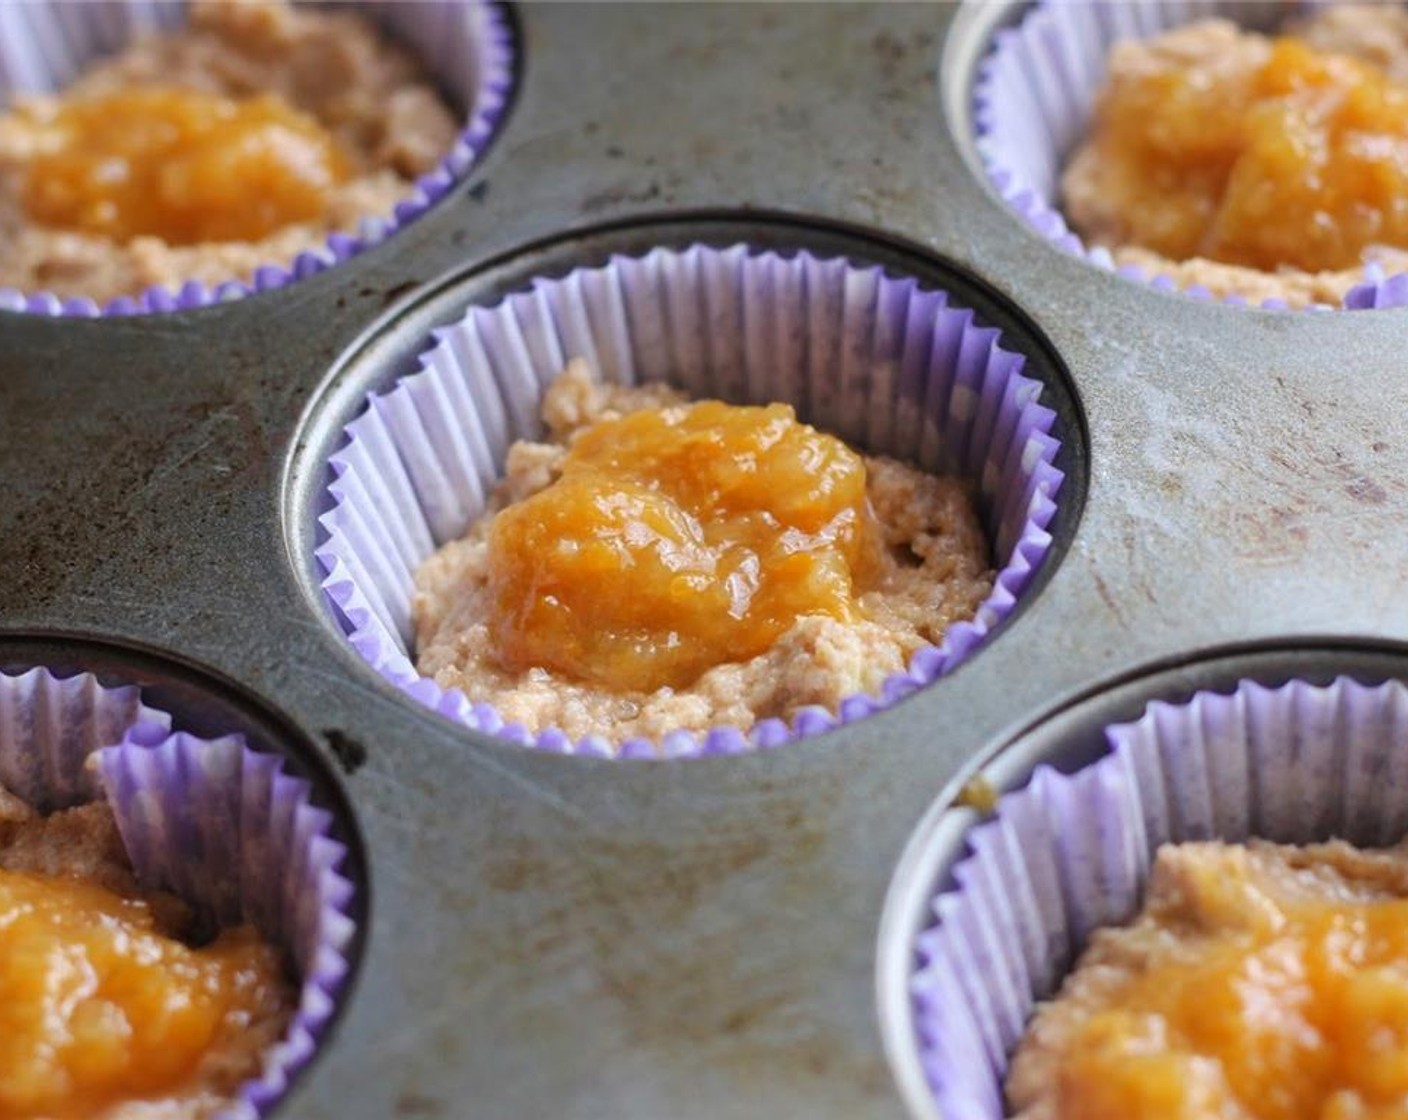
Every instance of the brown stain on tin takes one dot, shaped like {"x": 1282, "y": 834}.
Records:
{"x": 656, "y": 926}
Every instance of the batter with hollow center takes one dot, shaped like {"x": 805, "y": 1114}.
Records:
{"x": 107, "y": 1012}
{"x": 241, "y": 140}
{"x": 657, "y": 565}
{"x": 1264, "y": 982}
{"x": 1266, "y": 168}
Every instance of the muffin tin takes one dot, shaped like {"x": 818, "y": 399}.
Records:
{"x": 573, "y": 937}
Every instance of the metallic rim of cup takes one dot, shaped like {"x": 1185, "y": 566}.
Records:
{"x": 497, "y": 62}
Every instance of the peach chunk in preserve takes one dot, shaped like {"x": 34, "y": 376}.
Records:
{"x": 181, "y": 165}
{"x": 1298, "y": 160}
{"x": 1276, "y": 1008}
{"x": 97, "y": 1007}
{"x": 678, "y": 539}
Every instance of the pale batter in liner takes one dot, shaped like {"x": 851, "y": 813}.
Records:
{"x": 370, "y": 94}
{"x": 936, "y": 571}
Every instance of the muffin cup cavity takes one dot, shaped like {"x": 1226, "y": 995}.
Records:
{"x": 220, "y": 825}
{"x": 467, "y": 46}
{"x": 874, "y": 358}
{"x": 1033, "y": 97}
{"x": 1069, "y": 853}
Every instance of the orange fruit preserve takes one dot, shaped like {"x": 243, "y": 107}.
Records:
{"x": 181, "y": 165}
{"x": 1301, "y": 161}
{"x": 1287, "y": 1010}
{"x": 677, "y": 539}
{"x": 96, "y": 1007}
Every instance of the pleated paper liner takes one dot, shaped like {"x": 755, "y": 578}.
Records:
{"x": 1033, "y": 98}
{"x": 467, "y": 46}
{"x": 877, "y": 359}
{"x": 1068, "y": 854}
{"x": 220, "y": 825}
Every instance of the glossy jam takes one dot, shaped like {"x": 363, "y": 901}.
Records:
{"x": 1289, "y": 1010}
{"x": 1302, "y": 161}
{"x": 96, "y": 1007}
{"x": 676, "y": 540}
{"x": 180, "y": 165}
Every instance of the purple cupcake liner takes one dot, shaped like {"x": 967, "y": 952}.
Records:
{"x": 468, "y": 45}
{"x": 214, "y": 822}
{"x": 1070, "y": 853}
{"x": 876, "y": 359}
{"x": 1033, "y": 98}
{"x": 225, "y": 828}
{"x": 50, "y": 725}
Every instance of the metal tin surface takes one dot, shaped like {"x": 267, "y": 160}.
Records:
{"x": 562, "y": 937}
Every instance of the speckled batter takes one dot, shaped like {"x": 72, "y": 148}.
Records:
{"x": 1090, "y": 200}
{"x": 936, "y": 571}
{"x": 368, "y": 93}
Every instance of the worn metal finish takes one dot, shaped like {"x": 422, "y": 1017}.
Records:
{"x": 558, "y": 937}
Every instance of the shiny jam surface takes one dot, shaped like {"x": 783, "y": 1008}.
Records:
{"x": 96, "y": 1007}
{"x": 678, "y": 539}
{"x": 1301, "y": 162}
{"x": 1289, "y": 1010}
{"x": 181, "y": 165}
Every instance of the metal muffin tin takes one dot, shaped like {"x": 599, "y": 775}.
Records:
{"x": 561, "y": 937}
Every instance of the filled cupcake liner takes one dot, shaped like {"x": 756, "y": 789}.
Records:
{"x": 466, "y": 45}
{"x": 876, "y": 359}
{"x": 1034, "y": 95}
{"x": 1067, "y": 854}
{"x": 214, "y": 822}
{"x": 226, "y": 829}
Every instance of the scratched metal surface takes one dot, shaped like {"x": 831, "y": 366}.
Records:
{"x": 550, "y": 937}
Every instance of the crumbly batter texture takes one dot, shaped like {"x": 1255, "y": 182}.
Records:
{"x": 1196, "y": 891}
{"x": 84, "y": 843}
{"x": 935, "y": 571}
{"x": 371, "y": 95}
{"x": 1376, "y": 33}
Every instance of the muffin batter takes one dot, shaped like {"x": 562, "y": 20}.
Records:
{"x": 366, "y": 119}
{"x": 1251, "y": 166}
{"x": 929, "y": 568}
{"x": 1265, "y": 982}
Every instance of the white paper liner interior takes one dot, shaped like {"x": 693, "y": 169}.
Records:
{"x": 873, "y": 358}
{"x": 1069, "y": 853}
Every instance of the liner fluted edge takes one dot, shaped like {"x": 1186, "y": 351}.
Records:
{"x": 876, "y": 359}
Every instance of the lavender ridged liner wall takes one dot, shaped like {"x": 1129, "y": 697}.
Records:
{"x": 226, "y": 829}
{"x": 50, "y": 725}
{"x": 1069, "y": 853}
{"x": 217, "y": 823}
{"x": 467, "y": 45}
{"x": 873, "y": 358}
{"x": 1033, "y": 98}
